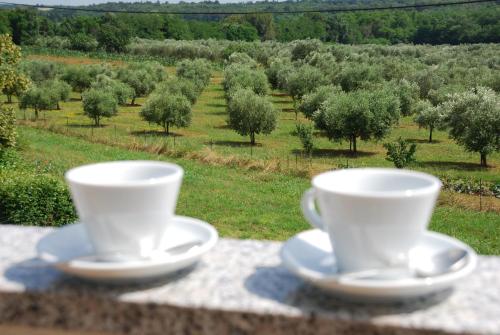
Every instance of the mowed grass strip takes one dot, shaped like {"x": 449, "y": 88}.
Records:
{"x": 443, "y": 157}
{"x": 241, "y": 204}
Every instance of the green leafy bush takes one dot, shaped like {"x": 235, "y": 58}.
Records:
{"x": 34, "y": 199}
{"x": 305, "y": 133}
{"x": 400, "y": 152}
{"x": 7, "y": 127}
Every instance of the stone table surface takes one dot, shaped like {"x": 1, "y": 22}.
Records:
{"x": 240, "y": 287}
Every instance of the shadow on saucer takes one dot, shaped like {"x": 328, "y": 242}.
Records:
{"x": 36, "y": 274}
{"x": 278, "y": 284}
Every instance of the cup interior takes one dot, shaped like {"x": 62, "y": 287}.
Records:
{"x": 124, "y": 173}
{"x": 376, "y": 182}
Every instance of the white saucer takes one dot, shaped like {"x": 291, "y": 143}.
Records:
{"x": 66, "y": 246}
{"x": 309, "y": 256}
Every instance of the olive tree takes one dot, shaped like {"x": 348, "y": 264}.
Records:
{"x": 311, "y": 102}
{"x": 60, "y": 91}
{"x": 429, "y": 117}
{"x": 356, "y": 76}
{"x": 39, "y": 71}
{"x": 237, "y": 77}
{"x": 278, "y": 71}
{"x": 120, "y": 90}
{"x": 408, "y": 93}
{"x": 179, "y": 86}
{"x": 155, "y": 70}
{"x": 38, "y": 98}
{"x": 167, "y": 110}
{"x": 473, "y": 119}
{"x": 198, "y": 70}
{"x": 98, "y": 104}
{"x": 77, "y": 77}
{"x": 303, "y": 80}
{"x": 141, "y": 82}
{"x": 427, "y": 81}
{"x": 251, "y": 114}
{"x": 243, "y": 59}
{"x": 302, "y": 48}
{"x": 359, "y": 114}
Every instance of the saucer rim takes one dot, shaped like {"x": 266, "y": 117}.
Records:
{"x": 366, "y": 283}
{"x": 75, "y": 264}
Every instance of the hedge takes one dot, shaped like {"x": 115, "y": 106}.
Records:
{"x": 34, "y": 199}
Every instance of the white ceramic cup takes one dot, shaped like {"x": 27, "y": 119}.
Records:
{"x": 126, "y": 206}
{"x": 374, "y": 217}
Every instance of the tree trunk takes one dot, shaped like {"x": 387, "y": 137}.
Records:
{"x": 354, "y": 147}
{"x": 36, "y": 113}
{"x": 58, "y": 106}
{"x": 133, "y": 101}
{"x": 350, "y": 144}
{"x": 166, "y": 126}
{"x": 430, "y": 134}
{"x": 9, "y": 99}
{"x": 483, "y": 160}
{"x": 252, "y": 138}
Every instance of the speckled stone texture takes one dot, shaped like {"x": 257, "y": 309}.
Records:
{"x": 238, "y": 288}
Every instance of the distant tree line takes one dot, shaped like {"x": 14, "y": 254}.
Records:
{"x": 112, "y": 32}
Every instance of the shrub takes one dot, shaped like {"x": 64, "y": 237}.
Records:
{"x": 34, "y": 199}
{"x": 51, "y": 42}
{"x": 82, "y": 42}
{"x": 251, "y": 114}
{"x": 305, "y": 134}
{"x": 400, "y": 152}
{"x": 7, "y": 127}
{"x": 167, "y": 110}
{"x": 98, "y": 104}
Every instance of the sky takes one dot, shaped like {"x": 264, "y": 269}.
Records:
{"x": 89, "y": 2}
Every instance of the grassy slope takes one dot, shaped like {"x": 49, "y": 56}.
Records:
{"x": 243, "y": 204}
{"x": 443, "y": 157}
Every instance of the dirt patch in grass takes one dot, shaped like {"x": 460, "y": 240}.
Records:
{"x": 71, "y": 60}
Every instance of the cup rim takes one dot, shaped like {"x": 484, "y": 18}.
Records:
{"x": 176, "y": 173}
{"x": 433, "y": 187}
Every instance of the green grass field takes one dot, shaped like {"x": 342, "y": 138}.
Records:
{"x": 239, "y": 203}
{"x": 208, "y": 129}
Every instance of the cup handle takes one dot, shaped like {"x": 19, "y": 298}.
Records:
{"x": 309, "y": 209}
